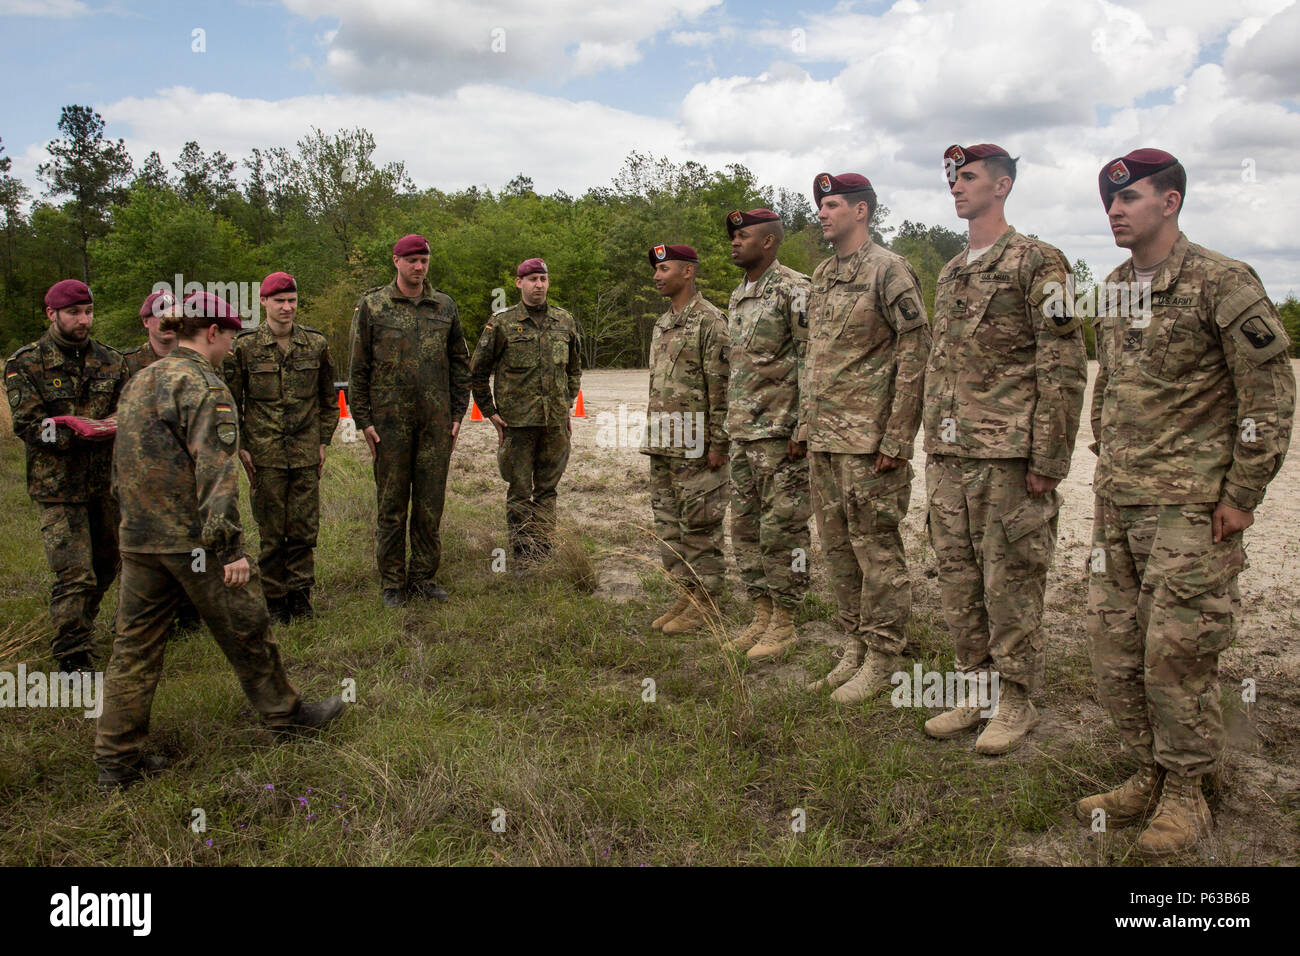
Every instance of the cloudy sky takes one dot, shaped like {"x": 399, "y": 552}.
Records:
{"x": 476, "y": 91}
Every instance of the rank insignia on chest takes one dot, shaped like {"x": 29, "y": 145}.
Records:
{"x": 959, "y": 305}
{"x": 1132, "y": 340}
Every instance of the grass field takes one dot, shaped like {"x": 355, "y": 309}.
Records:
{"x": 529, "y": 697}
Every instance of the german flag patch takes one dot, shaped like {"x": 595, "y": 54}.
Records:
{"x": 223, "y": 407}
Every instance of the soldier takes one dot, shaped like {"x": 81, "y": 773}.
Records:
{"x": 176, "y": 478}
{"x": 867, "y": 343}
{"x": 770, "y": 503}
{"x": 686, "y": 439}
{"x": 409, "y": 387}
{"x": 1003, "y": 393}
{"x": 282, "y": 380}
{"x": 1191, "y": 413}
{"x": 531, "y": 353}
{"x": 157, "y": 344}
{"x": 63, "y": 390}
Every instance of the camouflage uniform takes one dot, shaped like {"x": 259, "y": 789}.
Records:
{"x": 1003, "y": 394}
{"x": 1189, "y": 409}
{"x": 140, "y": 357}
{"x": 69, "y": 476}
{"x": 533, "y": 359}
{"x": 867, "y": 344}
{"x": 176, "y": 476}
{"x": 689, "y": 367}
{"x": 410, "y": 380}
{"x": 287, "y": 409}
{"x": 770, "y": 503}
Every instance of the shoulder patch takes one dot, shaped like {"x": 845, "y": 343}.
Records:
{"x": 246, "y": 332}
{"x": 308, "y": 328}
{"x": 25, "y": 348}
{"x": 213, "y": 379}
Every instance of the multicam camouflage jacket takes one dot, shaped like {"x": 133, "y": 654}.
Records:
{"x": 175, "y": 469}
{"x": 1008, "y": 370}
{"x": 1193, "y": 402}
{"x": 867, "y": 344}
{"x": 285, "y": 399}
{"x": 689, "y": 367}
{"x": 769, "y": 336}
{"x": 535, "y": 369}
{"x": 409, "y": 359}
{"x": 44, "y": 380}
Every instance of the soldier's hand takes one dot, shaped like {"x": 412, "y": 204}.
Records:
{"x": 1038, "y": 485}
{"x": 320, "y": 465}
{"x": 372, "y": 439}
{"x": 500, "y": 424}
{"x": 247, "y": 460}
{"x": 1228, "y": 521}
{"x": 885, "y": 463}
{"x": 237, "y": 573}
{"x": 717, "y": 459}
{"x": 455, "y": 433}
{"x": 794, "y": 450}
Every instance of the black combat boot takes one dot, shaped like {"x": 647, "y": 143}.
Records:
{"x": 122, "y": 778}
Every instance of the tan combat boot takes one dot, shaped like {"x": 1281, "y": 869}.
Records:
{"x": 682, "y": 601}
{"x": 700, "y": 612}
{"x": 1133, "y": 800}
{"x": 1182, "y": 818}
{"x": 1016, "y": 716}
{"x": 872, "y": 677}
{"x": 780, "y": 634}
{"x": 953, "y": 723}
{"x": 752, "y": 634}
{"x": 844, "y": 668}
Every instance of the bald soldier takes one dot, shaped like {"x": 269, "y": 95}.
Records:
{"x": 686, "y": 439}
{"x": 530, "y": 353}
{"x": 867, "y": 343}
{"x": 409, "y": 386}
{"x": 1191, "y": 412}
{"x": 63, "y": 391}
{"x": 1003, "y": 395}
{"x": 770, "y": 503}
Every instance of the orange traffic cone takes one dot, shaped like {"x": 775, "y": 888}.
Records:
{"x": 474, "y": 414}
{"x": 579, "y": 410}
{"x": 343, "y": 405}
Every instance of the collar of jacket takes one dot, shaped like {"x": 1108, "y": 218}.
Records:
{"x": 677, "y": 318}
{"x": 847, "y": 267}
{"x": 525, "y": 315}
{"x": 426, "y": 293}
{"x": 56, "y": 353}
{"x": 185, "y": 352}
{"x": 994, "y": 252}
{"x": 1170, "y": 271}
{"x": 267, "y": 338}
{"x": 761, "y": 285}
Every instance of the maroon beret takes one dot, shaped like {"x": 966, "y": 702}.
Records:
{"x": 1138, "y": 164}
{"x": 737, "y": 219}
{"x": 209, "y": 306}
{"x": 661, "y": 253}
{"x": 156, "y": 303}
{"x": 68, "y": 292}
{"x": 529, "y": 266}
{"x": 276, "y": 283}
{"x": 827, "y": 185}
{"x": 411, "y": 245}
{"x": 954, "y": 157}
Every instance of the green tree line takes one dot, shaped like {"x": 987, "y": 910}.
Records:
{"x": 328, "y": 213}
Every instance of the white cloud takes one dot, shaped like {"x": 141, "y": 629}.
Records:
{"x": 43, "y": 8}
{"x": 436, "y": 45}
{"x": 1263, "y": 61}
{"x": 783, "y": 109}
